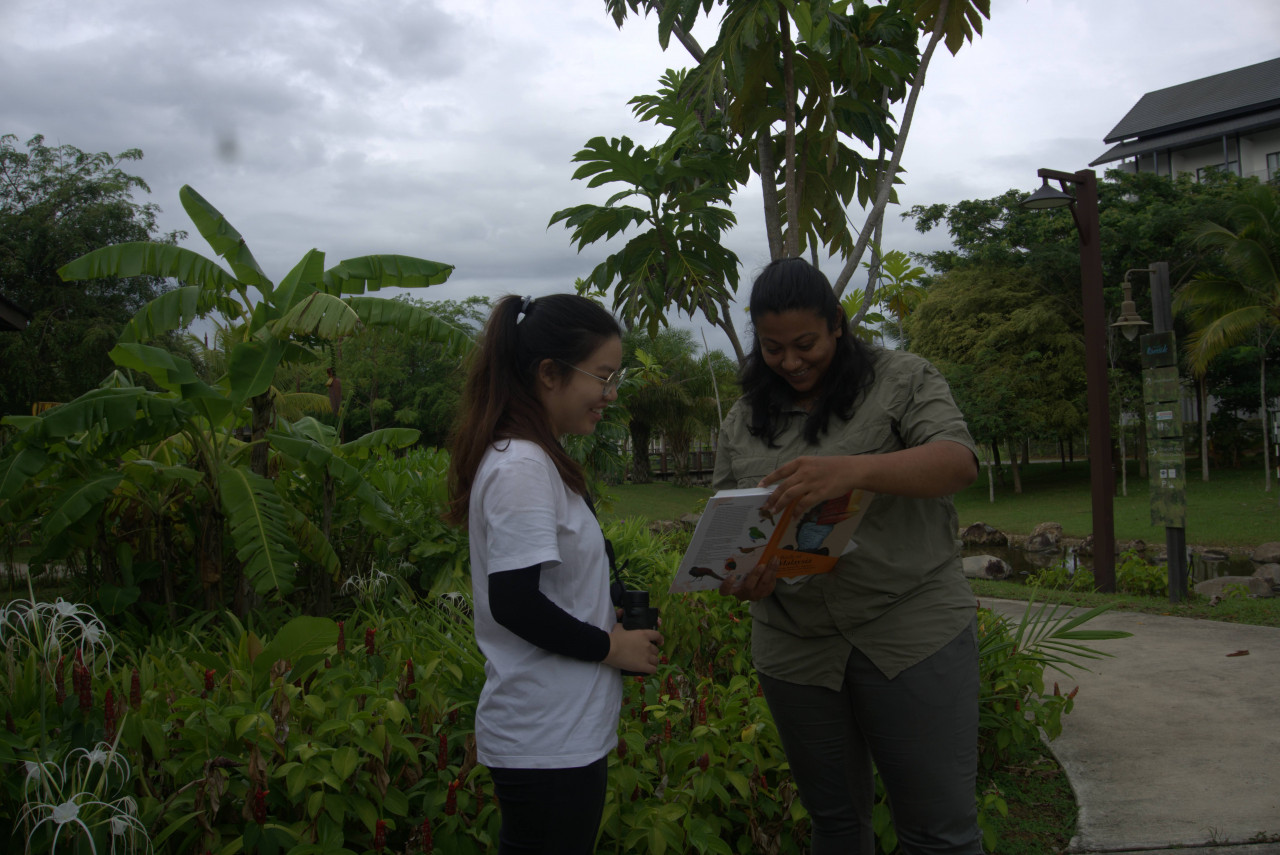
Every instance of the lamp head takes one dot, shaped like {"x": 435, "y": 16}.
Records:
{"x": 1047, "y": 197}
{"x": 1129, "y": 322}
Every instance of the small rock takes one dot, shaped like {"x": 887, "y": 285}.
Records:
{"x": 1044, "y": 537}
{"x": 1220, "y": 587}
{"x": 1267, "y": 553}
{"x": 690, "y": 521}
{"x": 981, "y": 534}
{"x": 986, "y": 567}
{"x": 1269, "y": 573}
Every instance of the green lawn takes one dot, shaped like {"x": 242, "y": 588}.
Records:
{"x": 1231, "y": 509}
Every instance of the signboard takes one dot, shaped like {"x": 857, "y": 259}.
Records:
{"x": 1159, "y": 350}
{"x": 1166, "y": 460}
{"x": 1167, "y": 471}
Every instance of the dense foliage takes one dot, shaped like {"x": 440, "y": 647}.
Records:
{"x": 57, "y": 203}
{"x": 354, "y": 733}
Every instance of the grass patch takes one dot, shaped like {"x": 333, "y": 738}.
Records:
{"x": 1231, "y": 509}
{"x": 1042, "y": 807}
{"x": 657, "y": 501}
{"x": 1255, "y": 612}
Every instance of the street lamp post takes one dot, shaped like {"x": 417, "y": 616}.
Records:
{"x": 1102, "y": 478}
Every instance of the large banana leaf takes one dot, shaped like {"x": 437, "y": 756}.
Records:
{"x": 373, "y": 272}
{"x": 314, "y": 544}
{"x": 18, "y": 467}
{"x": 297, "y": 641}
{"x": 175, "y": 374}
{"x": 415, "y": 321}
{"x": 224, "y": 239}
{"x": 130, "y": 414}
{"x": 318, "y": 314}
{"x": 320, "y": 456}
{"x": 144, "y": 258}
{"x": 76, "y": 501}
{"x": 362, "y": 447}
{"x": 176, "y": 309}
{"x": 259, "y": 529}
{"x": 306, "y": 276}
{"x": 252, "y": 366}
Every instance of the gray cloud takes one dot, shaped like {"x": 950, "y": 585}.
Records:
{"x": 445, "y": 128}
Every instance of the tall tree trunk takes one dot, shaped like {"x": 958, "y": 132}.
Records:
{"x": 769, "y": 190}
{"x": 1062, "y": 452}
{"x": 1262, "y": 411}
{"x": 641, "y": 438}
{"x": 322, "y": 588}
{"x": 791, "y": 242}
{"x": 1013, "y": 464}
{"x": 261, "y": 410}
{"x": 1202, "y": 401}
{"x": 1124, "y": 461}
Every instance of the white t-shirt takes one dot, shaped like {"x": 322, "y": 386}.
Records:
{"x": 539, "y": 710}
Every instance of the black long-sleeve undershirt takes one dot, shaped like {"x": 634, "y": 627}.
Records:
{"x": 518, "y": 604}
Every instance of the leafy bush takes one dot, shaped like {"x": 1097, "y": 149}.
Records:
{"x": 1136, "y": 575}
{"x": 357, "y": 735}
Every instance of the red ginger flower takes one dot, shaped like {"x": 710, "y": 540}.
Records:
{"x": 428, "y": 845}
{"x": 60, "y": 683}
{"x": 260, "y": 805}
{"x": 342, "y": 636}
{"x": 380, "y": 835}
{"x": 109, "y": 714}
{"x": 369, "y": 647}
{"x": 451, "y": 800}
{"x": 135, "y": 691}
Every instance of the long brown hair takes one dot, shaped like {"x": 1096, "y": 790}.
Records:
{"x": 501, "y": 400}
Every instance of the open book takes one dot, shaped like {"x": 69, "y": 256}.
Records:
{"x": 734, "y": 534}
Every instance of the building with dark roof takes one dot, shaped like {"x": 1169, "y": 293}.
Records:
{"x": 1226, "y": 121}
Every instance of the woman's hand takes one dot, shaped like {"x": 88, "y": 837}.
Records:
{"x": 926, "y": 471}
{"x": 756, "y": 585}
{"x": 808, "y": 481}
{"x": 633, "y": 649}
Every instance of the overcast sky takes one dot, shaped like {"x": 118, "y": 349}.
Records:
{"x": 445, "y": 128}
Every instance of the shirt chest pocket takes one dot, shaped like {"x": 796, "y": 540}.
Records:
{"x": 876, "y": 435}
{"x": 749, "y": 469}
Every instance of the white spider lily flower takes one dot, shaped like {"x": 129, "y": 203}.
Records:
{"x": 72, "y": 794}
{"x": 56, "y": 629}
{"x": 365, "y": 586}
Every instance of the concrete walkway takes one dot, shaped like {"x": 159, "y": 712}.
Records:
{"x": 1174, "y": 740}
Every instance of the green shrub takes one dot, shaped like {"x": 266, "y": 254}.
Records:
{"x": 357, "y": 736}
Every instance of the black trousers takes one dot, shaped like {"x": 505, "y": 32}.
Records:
{"x": 550, "y": 811}
{"x": 920, "y": 729}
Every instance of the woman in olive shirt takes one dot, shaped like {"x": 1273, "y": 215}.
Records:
{"x": 876, "y": 660}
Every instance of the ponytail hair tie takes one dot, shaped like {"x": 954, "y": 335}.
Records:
{"x": 525, "y": 305}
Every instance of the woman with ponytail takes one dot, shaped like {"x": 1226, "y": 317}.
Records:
{"x": 548, "y": 712}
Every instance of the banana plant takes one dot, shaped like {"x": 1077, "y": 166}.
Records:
{"x": 63, "y": 467}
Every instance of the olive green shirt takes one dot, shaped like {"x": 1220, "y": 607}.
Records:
{"x": 898, "y": 593}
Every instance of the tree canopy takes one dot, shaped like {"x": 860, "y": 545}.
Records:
{"x": 56, "y": 204}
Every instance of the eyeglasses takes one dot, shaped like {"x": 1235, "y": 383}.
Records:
{"x": 611, "y": 383}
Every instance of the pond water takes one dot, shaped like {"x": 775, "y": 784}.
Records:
{"x": 1200, "y": 565}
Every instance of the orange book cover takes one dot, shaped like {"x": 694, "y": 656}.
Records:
{"x": 735, "y": 533}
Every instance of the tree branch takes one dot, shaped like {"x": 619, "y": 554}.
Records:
{"x": 888, "y": 173}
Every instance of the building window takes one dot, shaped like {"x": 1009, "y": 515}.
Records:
{"x": 1273, "y": 166}
{"x": 1232, "y": 167}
